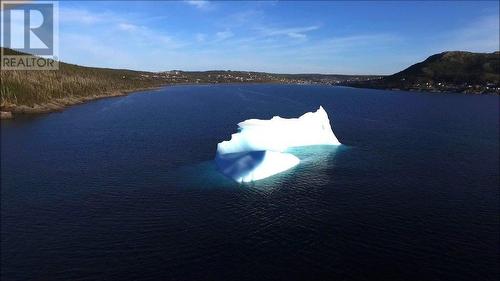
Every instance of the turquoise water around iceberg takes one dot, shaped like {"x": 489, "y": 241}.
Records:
{"x": 314, "y": 160}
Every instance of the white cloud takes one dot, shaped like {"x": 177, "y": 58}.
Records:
{"x": 242, "y": 18}
{"x": 481, "y": 35}
{"x": 297, "y": 35}
{"x": 200, "y": 4}
{"x": 86, "y": 49}
{"x": 109, "y": 39}
{"x": 145, "y": 36}
{"x": 112, "y": 26}
{"x": 200, "y": 37}
{"x": 81, "y": 16}
{"x": 127, "y": 26}
{"x": 223, "y": 35}
{"x": 294, "y": 32}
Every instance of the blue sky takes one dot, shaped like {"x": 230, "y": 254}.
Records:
{"x": 278, "y": 36}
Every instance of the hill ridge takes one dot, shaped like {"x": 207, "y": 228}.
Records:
{"x": 452, "y": 71}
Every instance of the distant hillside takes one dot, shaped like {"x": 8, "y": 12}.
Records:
{"x": 449, "y": 71}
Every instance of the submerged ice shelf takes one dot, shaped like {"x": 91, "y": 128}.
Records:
{"x": 257, "y": 150}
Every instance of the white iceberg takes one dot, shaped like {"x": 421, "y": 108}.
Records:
{"x": 257, "y": 150}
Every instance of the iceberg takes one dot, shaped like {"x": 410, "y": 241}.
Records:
{"x": 257, "y": 151}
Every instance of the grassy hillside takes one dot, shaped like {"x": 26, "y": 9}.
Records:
{"x": 448, "y": 71}
{"x": 454, "y": 67}
{"x": 70, "y": 81}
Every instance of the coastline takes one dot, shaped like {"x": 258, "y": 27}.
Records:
{"x": 9, "y": 111}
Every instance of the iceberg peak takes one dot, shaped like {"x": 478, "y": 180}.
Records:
{"x": 257, "y": 150}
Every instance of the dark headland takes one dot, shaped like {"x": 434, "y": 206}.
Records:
{"x": 459, "y": 72}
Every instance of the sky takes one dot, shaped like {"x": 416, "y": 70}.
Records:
{"x": 272, "y": 36}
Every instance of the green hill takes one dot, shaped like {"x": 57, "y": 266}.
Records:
{"x": 45, "y": 90}
{"x": 447, "y": 71}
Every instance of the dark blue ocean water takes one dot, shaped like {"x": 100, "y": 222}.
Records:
{"x": 125, "y": 188}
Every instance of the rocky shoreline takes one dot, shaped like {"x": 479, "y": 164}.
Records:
{"x": 9, "y": 111}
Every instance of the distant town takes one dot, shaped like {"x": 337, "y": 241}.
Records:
{"x": 431, "y": 86}
{"x": 228, "y": 76}
{"x": 363, "y": 81}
